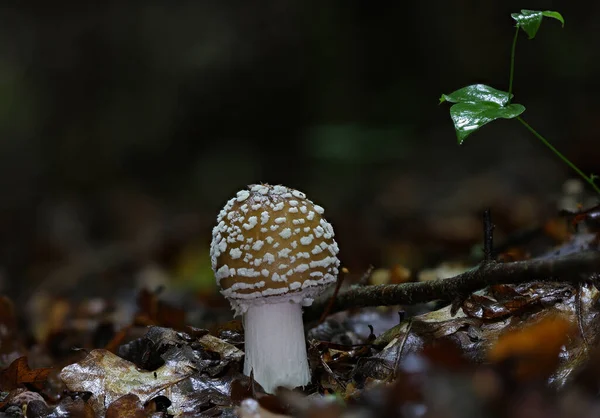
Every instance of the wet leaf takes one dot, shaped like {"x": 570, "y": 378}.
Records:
{"x": 20, "y": 397}
{"x": 478, "y": 306}
{"x": 477, "y": 105}
{"x": 200, "y": 392}
{"x": 231, "y": 332}
{"x": 194, "y": 373}
{"x": 227, "y": 352}
{"x": 69, "y": 407}
{"x": 127, "y": 406}
{"x": 207, "y": 352}
{"x": 503, "y": 292}
{"x": 477, "y": 93}
{"x": 350, "y": 329}
{"x": 530, "y": 20}
{"x": 476, "y": 335}
{"x": 532, "y": 351}
{"x": 109, "y": 377}
{"x": 19, "y": 372}
{"x": 469, "y": 117}
{"x": 505, "y": 300}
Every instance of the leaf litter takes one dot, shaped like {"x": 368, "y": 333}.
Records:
{"x": 500, "y": 351}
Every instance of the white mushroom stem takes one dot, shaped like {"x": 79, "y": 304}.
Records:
{"x": 275, "y": 346}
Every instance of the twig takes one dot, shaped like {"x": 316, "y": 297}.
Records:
{"x": 573, "y": 268}
{"x": 364, "y": 279}
{"x": 338, "y": 284}
{"x": 580, "y": 316}
{"x": 488, "y": 236}
{"x": 400, "y": 348}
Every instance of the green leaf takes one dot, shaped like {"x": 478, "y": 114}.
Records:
{"x": 554, "y": 15}
{"x": 469, "y": 117}
{"x": 530, "y": 20}
{"x": 477, "y": 93}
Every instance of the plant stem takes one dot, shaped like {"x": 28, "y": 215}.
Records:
{"x": 562, "y": 157}
{"x": 512, "y": 64}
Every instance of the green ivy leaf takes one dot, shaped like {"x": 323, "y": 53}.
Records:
{"x": 554, "y": 15}
{"x": 530, "y": 20}
{"x": 469, "y": 117}
{"x": 477, "y": 93}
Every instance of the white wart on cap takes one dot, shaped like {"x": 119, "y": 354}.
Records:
{"x": 273, "y": 252}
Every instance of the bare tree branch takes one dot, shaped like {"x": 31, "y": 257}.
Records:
{"x": 573, "y": 268}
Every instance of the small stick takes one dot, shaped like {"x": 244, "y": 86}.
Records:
{"x": 338, "y": 284}
{"x": 488, "y": 236}
{"x": 364, "y": 279}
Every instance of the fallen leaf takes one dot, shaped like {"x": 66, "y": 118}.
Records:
{"x": 207, "y": 352}
{"x": 19, "y": 372}
{"x": 69, "y": 407}
{"x": 109, "y": 377}
{"x": 193, "y": 373}
{"x": 127, "y": 406}
{"x": 532, "y": 351}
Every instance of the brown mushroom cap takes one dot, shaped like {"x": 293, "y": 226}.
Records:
{"x": 272, "y": 241}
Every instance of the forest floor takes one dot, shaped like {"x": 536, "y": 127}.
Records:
{"x": 513, "y": 334}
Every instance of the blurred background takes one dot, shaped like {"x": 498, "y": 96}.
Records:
{"x": 125, "y": 126}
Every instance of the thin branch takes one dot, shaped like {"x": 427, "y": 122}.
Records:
{"x": 338, "y": 285}
{"x": 364, "y": 279}
{"x": 488, "y": 236}
{"x": 578, "y": 309}
{"x": 573, "y": 268}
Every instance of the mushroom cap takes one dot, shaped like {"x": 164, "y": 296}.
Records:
{"x": 272, "y": 243}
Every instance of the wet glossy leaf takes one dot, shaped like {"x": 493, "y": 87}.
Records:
{"x": 477, "y": 105}
{"x": 503, "y": 292}
{"x": 109, "y": 377}
{"x": 554, "y": 15}
{"x": 200, "y": 392}
{"x": 21, "y": 397}
{"x": 227, "y": 352}
{"x": 477, "y": 306}
{"x": 19, "y": 372}
{"x": 231, "y": 332}
{"x": 208, "y": 353}
{"x": 188, "y": 369}
{"x": 68, "y": 408}
{"x": 127, "y": 406}
{"x": 532, "y": 352}
{"x": 530, "y": 20}
{"x": 469, "y": 117}
{"x": 477, "y": 93}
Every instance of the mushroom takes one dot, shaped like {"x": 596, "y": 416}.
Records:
{"x": 272, "y": 253}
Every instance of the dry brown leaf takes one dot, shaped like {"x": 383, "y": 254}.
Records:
{"x": 19, "y": 372}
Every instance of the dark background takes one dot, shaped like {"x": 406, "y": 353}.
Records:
{"x": 125, "y": 126}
